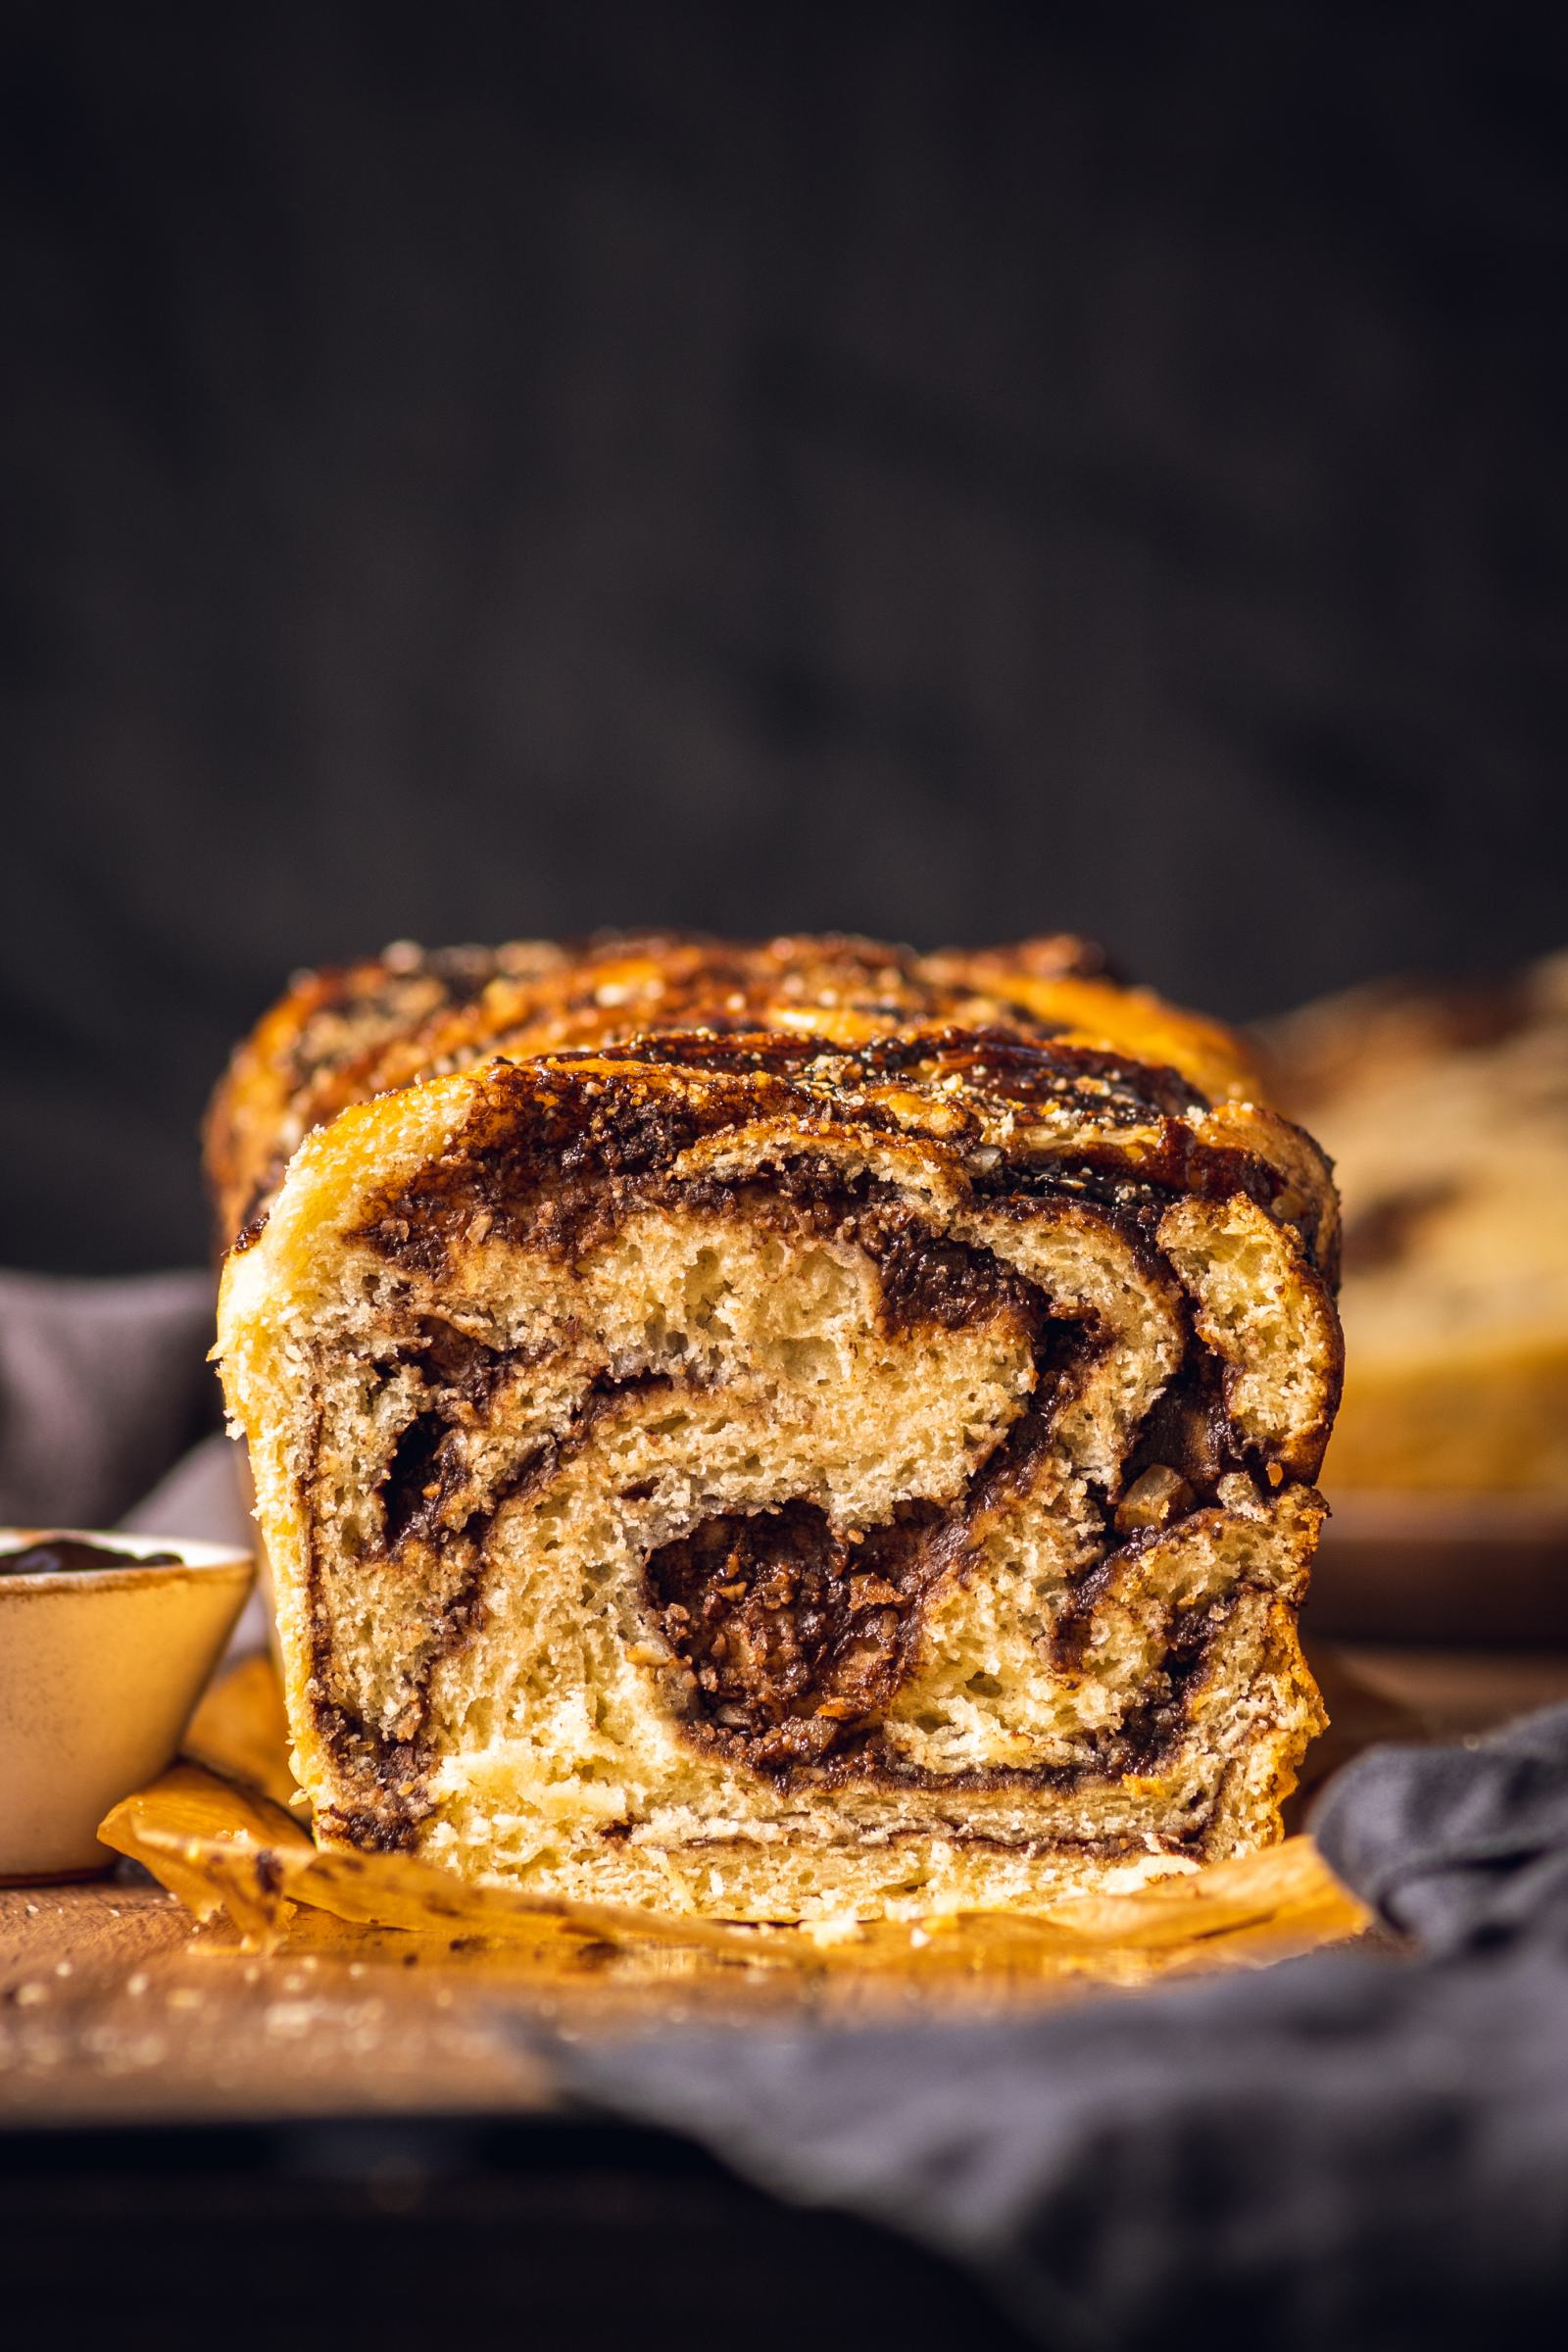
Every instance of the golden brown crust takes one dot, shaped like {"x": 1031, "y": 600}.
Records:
{"x": 338, "y": 1037}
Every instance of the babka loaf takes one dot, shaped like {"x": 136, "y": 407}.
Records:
{"x": 1447, "y": 1110}
{"x": 848, "y": 1450}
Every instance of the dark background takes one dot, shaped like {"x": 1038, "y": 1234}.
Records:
{"x": 949, "y": 472}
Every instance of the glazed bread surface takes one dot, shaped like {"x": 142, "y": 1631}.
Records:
{"x": 858, "y": 1464}
{"x": 341, "y": 1036}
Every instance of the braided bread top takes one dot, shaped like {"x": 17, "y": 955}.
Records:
{"x": 342, "y": 1036}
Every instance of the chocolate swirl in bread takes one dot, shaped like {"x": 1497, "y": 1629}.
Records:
{"x": 861, "y": 1463}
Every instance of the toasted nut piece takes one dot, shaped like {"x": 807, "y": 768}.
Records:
{"x": 1239, "y": 1492}
{"x": 1154, "y": 1500}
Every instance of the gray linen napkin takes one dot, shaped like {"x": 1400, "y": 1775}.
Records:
{"x": 1349, "y": 2150}
{"x": 103, "y": 1386}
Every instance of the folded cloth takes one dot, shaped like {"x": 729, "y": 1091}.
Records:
{"x": 1359, "y": 2148}
{"x": 103, "y": 1386}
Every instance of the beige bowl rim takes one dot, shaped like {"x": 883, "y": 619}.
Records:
{"x": 195, "y": 1559}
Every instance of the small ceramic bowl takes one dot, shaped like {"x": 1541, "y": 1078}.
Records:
{"x": 98, "y": 1671}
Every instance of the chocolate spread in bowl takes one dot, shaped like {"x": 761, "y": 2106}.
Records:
{"x": 57, "y": 1556}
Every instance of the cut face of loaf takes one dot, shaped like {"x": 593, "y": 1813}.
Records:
{"x": 764, "y": 1477}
